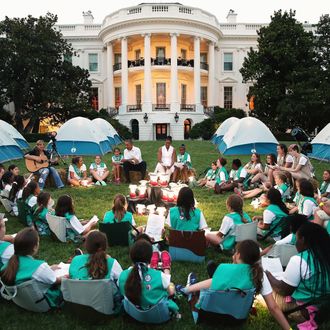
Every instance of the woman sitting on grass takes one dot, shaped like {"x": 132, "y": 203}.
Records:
{"x": 185, "y": 216}
{"x": 78, "y": 173}
{"x": 40, "y": 211}
{"x": 74, "y": 228}
{"x": 253, "y": 167}
{"x": 244, "y": 273}
{"x": 225, "y": 237}
{"x": 22, "y": 267}
{"x": 143, "y": 286}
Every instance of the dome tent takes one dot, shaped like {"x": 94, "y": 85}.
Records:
{"x": 14, "y": 133}
{"x": 9, "y": 149}
{"x": 108, "y": 130}
{"x": 222, "y": 129}
{"x": 246, "y": 136}
{"x": 79, "y": 136}
{"x": 321, "y": 144}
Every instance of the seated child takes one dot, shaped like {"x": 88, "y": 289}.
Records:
{"x": 182, "y": 165}
{"x": 209, "y": 178}
{"x": 40, "y": 211}
{"x": 99, "y": 171}
{"x": 22, "y": 267}
{"x": 74, "y": 228}
{"x": 222, "y": 176}
{"x": 322, "y": 215}
{"x": 143, "y": 286}
{"x": 307, "y": 203}
{"x": 7, "y": 182}
{"x": 225, "y": 237}
{"x": 185, "y": 216}
{"x": 29, "y": 197}
{"x": 117, "y": 164}
{"x": 6, "y": 247}
{"x": 16, "y": 192}
{"x": 78, "y": 173}
{"x": 325, "y": 185}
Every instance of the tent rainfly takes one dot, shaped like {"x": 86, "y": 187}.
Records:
{"x": 222, "y": 129}
{"x": 14, "y": 133}
{"x": 246, "y": 136}
{"x": 79, "y": 136}
{"x": 108, "y": 130}
{"x": 321, "y": 144}
{"x": 9, "y": 149}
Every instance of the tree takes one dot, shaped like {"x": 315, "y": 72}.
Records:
{"x": 283, "y": 71}
{"x": 34, "y": 74}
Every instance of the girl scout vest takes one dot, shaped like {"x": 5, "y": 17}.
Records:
{"x": 109, "y": 217}
{"x": 222, "y": 170}
{"x": 228, "y": 276}
{"x": 306, "y": 290}
{"x": 179, "y": 222}
{"x": 78, "y": 269}
{"x": 237, "y": 174}
{"x": 211, "y": 174}
{"x": 152, "y": 288}
{"x": 3, "y": 247}
{"x": 279, "y": 214}
{"x": 117, "y": 159}
{"x": 229, "y": 239}
{"x": 324, "y": 187}
{"x": 301, "y": 205}
{"x": 40, "y": 220}
{"x": 184, "y": 159}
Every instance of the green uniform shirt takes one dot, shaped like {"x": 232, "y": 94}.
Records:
{"x": 109, "y": 217}
{"x": 184, "y": 159}
{"x": 279, "y": 214}
{"x": 224, "y": 171}
{"x": 324, "y": 187}
{"x": 179, "y": 222}
{"x": 3, "y": 247}
{"x": 302, "y": 200}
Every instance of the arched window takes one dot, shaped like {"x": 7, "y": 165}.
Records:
{"x": 187, "y": 128}
{"x": 135, "y": 129}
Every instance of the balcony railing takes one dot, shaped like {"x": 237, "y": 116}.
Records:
{"x": 134, "y": 108}
{"x": 187, "y": 107}
{"x": 204, "y": 66}
{"x": 185, "y": 62}
{"x": 161, "y": 107}
{"x": 160, "y": 61}
{"x": 135, "y": 63}
{"x": 117, "y": 66}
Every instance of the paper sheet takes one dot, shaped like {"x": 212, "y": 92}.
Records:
{"x": 273, "y": 265}
{"x": 155, "y": 226}
{"x": 64, "y": 269}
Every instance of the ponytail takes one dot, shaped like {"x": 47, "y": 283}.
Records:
{"x": 8, "y": 275}
{"x": 97, "y": 265}
{"x": 133, "y": 285}
{"x": 29, "y": 190}
{"x": 118, "y": 208}
{"x": 235, "y": 203}
{"x": 257, "y": 276}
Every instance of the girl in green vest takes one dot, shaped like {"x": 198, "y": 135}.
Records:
{"x": 6, "y": 246}
{"x": 40, "y": 211}
{"x": 272, "y": 215}
{"x": 144, "y": 286}
{"x": 182, "y": 165}
{"x": 185, "y": 216}
{"x": 225, "y": 237}
{"x": 96, "y": 264}
{"x": 99, "y": 171}
{"x": 22, "y": 267}
{"x": 307, "y": 275}
{"x": 117, "y": 164}
{"x": 325, "y": 185}
{"x": 244, "y": 273}
{"x": 253, "y": 167}
{"x": 307, "y": 203}
{"x": 209, "y": 178}
{"x": 29, "y": 196}
{"x": 222, "y": 175}
{"x": 78, "y": 173}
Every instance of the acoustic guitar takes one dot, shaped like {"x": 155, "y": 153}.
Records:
{"x": 34, "y": 166}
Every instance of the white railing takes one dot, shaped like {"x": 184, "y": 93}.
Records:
{"x": 185, "y": 10}
{"x": 135, "y": 10}
{"x": 159, "y": 8}
{"x": 66, "y": 27}
{"x": 93, "y": 27}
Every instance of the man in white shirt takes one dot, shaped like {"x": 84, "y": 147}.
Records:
{"x": 132, "y": 160}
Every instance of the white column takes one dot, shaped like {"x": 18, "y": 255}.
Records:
{"x": 147, "y": 100}
{"x": 211, "y": 76}
{"x": 174, "y": 74}
{"x": 197, "y": 73}
{"x": 110, "y": 87}
{"x": 124, "y": 74}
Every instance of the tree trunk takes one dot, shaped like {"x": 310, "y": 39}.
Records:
{"x": 28, "y": 128}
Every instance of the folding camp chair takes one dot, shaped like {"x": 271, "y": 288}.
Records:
{"x": 228, "y": 307}
{"x": 284, "y": 252}
{"x": 29, "y": 295}
{"x": 57, "y": 226}
{"x": 187, "y": 245}
{"x": 157, "y": 314}
{"x": 118, "y": 233}
{"x": 246, "y": 231}
{"x": 6, "y": 203}
{"x": 90, "y": 299}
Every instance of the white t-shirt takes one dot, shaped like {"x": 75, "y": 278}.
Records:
{"x": 226, "y": 225}
{"x": 44, "y": 274}
{"x": 268, "y": 217}
{"x": 115, "y": 270}
{"x": 202, "y": 221}
{"x": 99, "y": 169}
{"x": 285, "y": 240}
{"x": 309, "y": 208}
{"x": 75, "y": 175}
{"x": 76, "y": 225}
{"x": 32, "y": 201}
{"x": 302, "y": 160}
{"x": 7, "y": 253}
{"x": 233, "y": 174}
{"x": 296, "y": 269}
{"x": 222, "y": 176}
{"x": 135, "y": 152}
{"x": 289, "y": 159}
{"x": 19, "y": 194}
{"x": 266, "y": 287}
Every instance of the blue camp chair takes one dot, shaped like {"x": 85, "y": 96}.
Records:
{"x": 187, "y": 245}
{"x": 229, "y": 307}
{"x": 155, "y": 315}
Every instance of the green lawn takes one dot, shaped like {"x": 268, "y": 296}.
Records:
{"x": 97, "y": 200}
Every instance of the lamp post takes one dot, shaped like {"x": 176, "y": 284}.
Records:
{"x": 176, "y": 117}
{"x": 145, "y": 118}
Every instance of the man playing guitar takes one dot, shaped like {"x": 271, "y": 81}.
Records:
{"x": 38, "y": 162}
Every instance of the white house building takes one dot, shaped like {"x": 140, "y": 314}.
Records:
{"x": 161, "y": 67}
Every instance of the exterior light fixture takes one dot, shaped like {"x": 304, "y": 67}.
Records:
{"x": 145, "y": 118}
{"x": 176, "y": 117}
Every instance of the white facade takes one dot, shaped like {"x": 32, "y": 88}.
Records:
{"x": 163, "y": 65}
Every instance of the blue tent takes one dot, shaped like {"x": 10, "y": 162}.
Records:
{"x": 108, "y": 130}
{"x": 222, "y": 129}
{"x": 9, "y": 149}
{"x": 14, "y": 133}
{"x": 79, "y": 136}
{"x": 321, "y": 144}
{"x": 246, "y": 136}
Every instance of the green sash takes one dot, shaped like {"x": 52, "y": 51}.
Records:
{"x": 324, "y": 187}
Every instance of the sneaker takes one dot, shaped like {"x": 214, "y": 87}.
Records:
{"x": 154, "y": 260}
{"x": 191, "y": 279}
{"x": 98, "y": 183}
{"x": 180, "y": 290}
{"x": 166, "y": 260}
{"x": 78, "y": 252}
{"x": 103, "y": 183}
{"x": 211, "y": 268}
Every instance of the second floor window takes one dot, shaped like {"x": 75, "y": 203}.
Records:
{"x": 203, "y": 57}
{"x": 160, "y": 52}
{"x": 228, "y": 62}
{"x": 117, "y": 58}
{"x": 93, "y": 62}
{"x": 184, "y": 54}
{"x": 137, "y": 54}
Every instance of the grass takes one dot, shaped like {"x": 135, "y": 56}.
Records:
{"x": 97, "y": 200}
